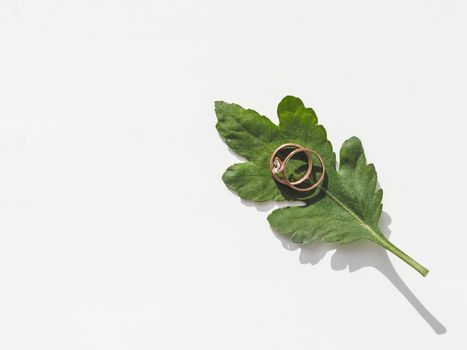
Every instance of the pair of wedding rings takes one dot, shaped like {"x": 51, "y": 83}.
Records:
{"x": 277, "y": 166}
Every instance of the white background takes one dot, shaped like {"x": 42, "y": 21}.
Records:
{"x": 116, "y": 231}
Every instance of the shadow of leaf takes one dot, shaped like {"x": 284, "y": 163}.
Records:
{"x": 362, "y": 254}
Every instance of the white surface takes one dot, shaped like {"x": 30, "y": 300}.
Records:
{"x": 104, "y": 105}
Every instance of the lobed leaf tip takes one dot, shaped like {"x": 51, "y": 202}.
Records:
{"x": 219, "y": 104}
{"x": 289, "y": 103}
{"x": 354, "y": 140}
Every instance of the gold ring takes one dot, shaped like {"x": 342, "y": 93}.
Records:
{"x": 277, "y": 167}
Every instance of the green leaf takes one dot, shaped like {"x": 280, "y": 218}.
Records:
{"x": 347, "y": 206}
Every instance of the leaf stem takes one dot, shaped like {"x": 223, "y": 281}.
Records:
{"x": 385, "y": 243}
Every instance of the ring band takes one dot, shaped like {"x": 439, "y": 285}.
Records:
{"x": 277, "y": 167}
{"x": 276, "y": 171}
